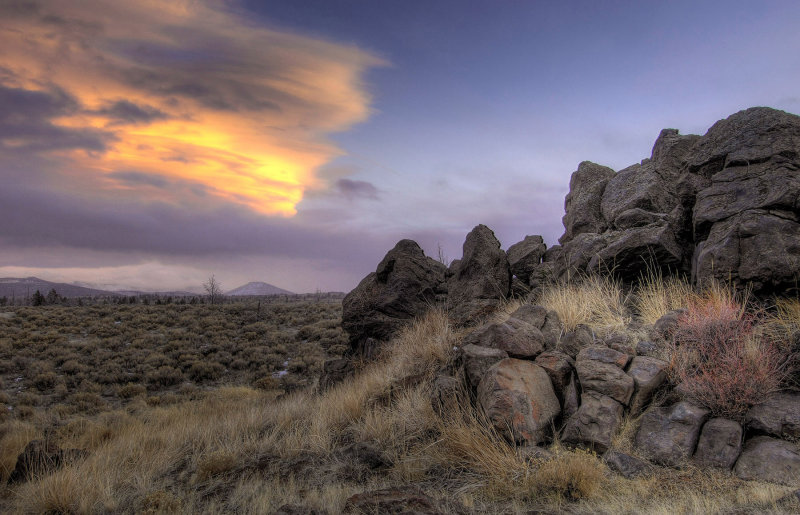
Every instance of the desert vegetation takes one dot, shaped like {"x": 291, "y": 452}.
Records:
{"x": 180, "y": 409}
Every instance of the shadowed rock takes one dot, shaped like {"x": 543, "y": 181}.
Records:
{"x": 404, "y": 286}
{"x": 582, "y": 204}
{"x": 524, "y": 257}
{"x": 769, "y": 459}
{"x": 669, "y": 435}
{"x": 480, "y": 280}
{"x": 778, "y": 415}
{"x": 595, "y": 422}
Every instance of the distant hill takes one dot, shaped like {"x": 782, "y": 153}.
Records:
{"x": 26, "y": 286}
{"x": 258, "y": 288}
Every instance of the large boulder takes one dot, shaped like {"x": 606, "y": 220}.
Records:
{"x": 545, "y": 320}
{"x": 756, "y": 246}
{"x": 745, "y": 218}
{"x": 595, "y": 422}
{"x": 769, "y": 459}
{"x": 778, "y": 415}
{"x": 480, "y": 280}
{"x": 404, "y": 286}
{"x": 524, "y": 257}
{"x": 518, "y": 398}
{"x": 668, "y": 435}
{"x": 582, "y": 204}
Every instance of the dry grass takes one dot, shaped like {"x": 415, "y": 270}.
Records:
{"x": 596, "y": 301}
{"x": 237, "y": 449}
{"x": 655, "y": 296}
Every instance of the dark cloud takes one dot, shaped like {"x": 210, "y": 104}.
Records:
{"x": 353, "y": 189}
{"x": 140, "y": 179}
{"x": 26, "y": 122}
{"x": 36, "y": 218}
{"x": 125, "y": 112}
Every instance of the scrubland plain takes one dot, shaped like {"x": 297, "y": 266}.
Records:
{"x": 211, "y": 409}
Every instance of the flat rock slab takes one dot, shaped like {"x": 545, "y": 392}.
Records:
{"x": 405, "y": 499}
{"x": 769, "y": 459}
{"x": 604, "y": 354}
{"x": 516, "y": 337}
{"x": 720, "y": 444}
{"x": 669, "y": 435}
{"x": 518, "y": 398}
{"x": 778, "y": 415}
{"x": 595, "y": 422}
{"x": 626, "y": 465}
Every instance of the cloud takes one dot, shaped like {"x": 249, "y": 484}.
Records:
{"x": 213, "y": 98}
{"x": 27, "y": 122}
{"x": 354, "y": 189}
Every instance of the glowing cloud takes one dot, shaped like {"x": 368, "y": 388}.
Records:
{"x": 187, "y": 90}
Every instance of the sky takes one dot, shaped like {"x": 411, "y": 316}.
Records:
{"x": 149, "y": 144}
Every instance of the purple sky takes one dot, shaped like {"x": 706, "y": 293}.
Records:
{"x": 150, "y": 144}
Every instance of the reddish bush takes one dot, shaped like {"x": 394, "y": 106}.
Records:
{"x": 720, "y": 361}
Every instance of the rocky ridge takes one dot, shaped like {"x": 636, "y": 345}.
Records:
{"x": 725, "y": 205}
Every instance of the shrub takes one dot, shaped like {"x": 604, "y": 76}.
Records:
{"x": 200, "y": 370}
{"x": 719, "y": 358}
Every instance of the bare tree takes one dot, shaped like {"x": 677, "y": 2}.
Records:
{"x": 213, "y": 289}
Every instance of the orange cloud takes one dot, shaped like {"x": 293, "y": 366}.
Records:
{"x": 187, "y": 90}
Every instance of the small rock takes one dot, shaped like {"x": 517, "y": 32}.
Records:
{"x": 335, "y": 371}
{"x": 572, "y": 342}
{"x": 572, "y": 398}
{"x": 665, "y": 326}
{"x": 720, "y": 444}
{"x": 402, "y": 499}
{"x": 602, "y": 377}
{"x": 525, "y": 256}
{"x": 478, "y": 359}
{"x": 646, "y": 348}
{"x": 769, "y": 459}
{"x": 648, "y": 374}
{"x": 626, "y": 465}
{"x": 518, "y": 398}
{"x": 668, "y": 435}
{"x": 535, "y": 453}
{"x": 604, "y": 354}
{"x": 559, "y": 367}
{"x": 40, "y": 458}
{"x": 514, "y": 336}
{"x": 446, "y": 395}
{"x": 595, "y": 422}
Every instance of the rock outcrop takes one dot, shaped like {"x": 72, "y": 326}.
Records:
{"x": 404, "y": 286}
{"x": 725, "y": 205}
{"x": 480, "y": 280}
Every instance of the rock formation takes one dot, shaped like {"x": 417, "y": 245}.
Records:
{"x": 404, "y": 286}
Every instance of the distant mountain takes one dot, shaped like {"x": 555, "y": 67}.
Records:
{"x": 258, "y": 288}
{"x": 26, "y": 286}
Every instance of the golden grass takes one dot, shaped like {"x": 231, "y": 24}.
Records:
{"x": 235, "y": 449}
{"x": 655, "y": 296}
{"x": 596, "y": 301}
